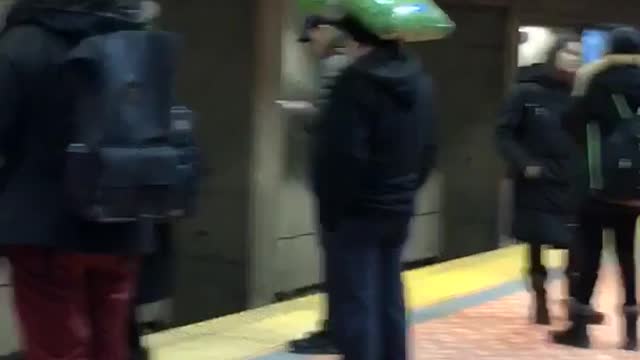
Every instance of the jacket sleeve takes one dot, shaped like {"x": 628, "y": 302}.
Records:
{"x": 585, "y": 88}
{"x": 429, "y": 150}
{"x": 507, "y": 132}
{"x": 10, "y": 89}
{"x": 345, "y": 149}
{"x": 574, "y": 120}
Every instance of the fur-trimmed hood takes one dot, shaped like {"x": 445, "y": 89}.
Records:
{"x": 588, "y": 72}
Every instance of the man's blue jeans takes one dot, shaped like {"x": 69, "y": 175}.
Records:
{"x": 367, "y": 295}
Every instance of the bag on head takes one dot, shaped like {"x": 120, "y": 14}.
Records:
{"x": 407, "y": 20}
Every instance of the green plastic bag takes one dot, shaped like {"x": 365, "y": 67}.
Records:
{"x": 408, "y": 20}
{"x": 314, "y": 6}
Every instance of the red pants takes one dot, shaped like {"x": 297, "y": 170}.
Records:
{"x": 73, "y": 306}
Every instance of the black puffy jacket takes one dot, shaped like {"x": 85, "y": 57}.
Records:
{"x": 376, "y": 143}
{"x": 530, "y": 133}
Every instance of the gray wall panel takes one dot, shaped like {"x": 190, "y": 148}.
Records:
{"x": 231, "y": 56}
{"x": 300, "y": 263}
{"x": 469, "y": 70}
{"x": 8, "y": 331}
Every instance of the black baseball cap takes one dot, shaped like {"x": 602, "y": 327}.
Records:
{"x": 311, "y": 22}
{"x": 353, "y": 27}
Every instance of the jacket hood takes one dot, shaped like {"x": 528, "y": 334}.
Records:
{"x": 78, "y": 18}
{"x": 532, "y": 73}
{"x": 393, "y": 71}
{"x": 588, "y": 72}
{"x": 539, "y": 74}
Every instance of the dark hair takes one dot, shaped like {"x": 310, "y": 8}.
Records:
{"x": 624, "y": 40}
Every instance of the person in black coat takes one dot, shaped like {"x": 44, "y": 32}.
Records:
{"x": 543, "y": 161}
{"x": 618, "y": 73}
{"x": 375, "y": 149}
{"x": 73, "y": 280}
{"x": 326, "y": 43}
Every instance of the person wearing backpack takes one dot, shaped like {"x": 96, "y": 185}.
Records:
{"x": 604, "y": 119}
{"x": 542, "y": 159}
{"x": 87, "y": 167}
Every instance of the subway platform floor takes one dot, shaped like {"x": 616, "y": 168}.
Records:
{"x": 499, "y": 330}
{"x": 472, "y": 308}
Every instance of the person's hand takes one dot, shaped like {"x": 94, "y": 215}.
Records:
{"x": 533, "y": 171}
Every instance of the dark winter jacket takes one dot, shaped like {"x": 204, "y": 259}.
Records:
{"x": 376, "y": 141}
{"x": 530, "y": 133}
{"x": 34, "y": 133}
{"x": 616, "y": 73}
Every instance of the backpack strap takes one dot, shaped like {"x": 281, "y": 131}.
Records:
{"x": 594, "y": 155}
{"x": 594, "y": 141}
{"x": 622, "y": 105}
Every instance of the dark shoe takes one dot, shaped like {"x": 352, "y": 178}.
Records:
{"x": 576, "y": 335}
{"x": 140, "y": 354}
{"x": 631, "y": 328}
{"x": 541, "y": 316}
{"x": 630, "y": 345}
{"x": 318, "y": 343}
{"x": 591, "y": 316}
{"x": 595, "y": 317}
{"x": 540, "y": 309}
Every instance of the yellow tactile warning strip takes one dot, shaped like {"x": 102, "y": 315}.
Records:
{"x": 257, "y": 332}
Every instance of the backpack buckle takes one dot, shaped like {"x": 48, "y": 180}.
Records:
{"x": 625, "y": 164}
{"x": 134, "y": 92}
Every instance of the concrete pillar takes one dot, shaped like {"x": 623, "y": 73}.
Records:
{"x": 230, "y": 76}
{"x": 469, "y": 74}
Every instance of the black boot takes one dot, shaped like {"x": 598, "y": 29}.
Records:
{"x": 592, "y": 316}
{"x": 541, "y": 311}
{"x": 631, "y": 328}
{"x": 576, "y": 335}
{"x": 316, "y": 343}
{"x": 140, "y": 354}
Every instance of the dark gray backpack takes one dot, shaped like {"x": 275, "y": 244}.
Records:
{"x": 123, "y": 162}
{"x": 614, "y": 158}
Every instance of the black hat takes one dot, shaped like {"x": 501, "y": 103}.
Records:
{"x": 359, "y": 32}
{"x": 310, "y": 23}
{"x": 624, "y": 40}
